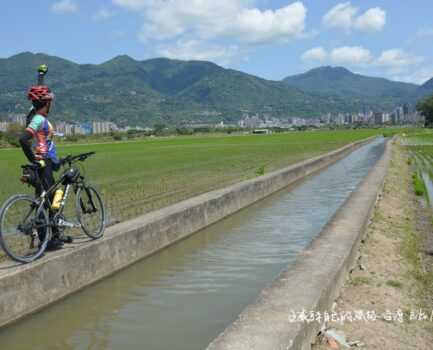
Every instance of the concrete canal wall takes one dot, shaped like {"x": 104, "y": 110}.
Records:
{"x": 25, "y": 289}
{"x": 313, "y": 282}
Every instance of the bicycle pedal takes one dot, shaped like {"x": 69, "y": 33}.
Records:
{"x": 67, "y": 224}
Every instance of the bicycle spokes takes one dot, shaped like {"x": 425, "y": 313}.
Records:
{"x": 90, "y": 212}
{"x": 24, "y": 228}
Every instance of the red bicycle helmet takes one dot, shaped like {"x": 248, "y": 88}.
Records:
{"x": 40, "y": 93}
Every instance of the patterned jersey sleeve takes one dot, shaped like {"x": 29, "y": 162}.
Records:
{"x": 36, "y": 124}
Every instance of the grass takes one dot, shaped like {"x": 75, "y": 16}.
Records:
{"x": 418, "y": 184}
{"x": 410, "y": 247}
{"x": 420, "y": 148}
{"x": 360, "y": 280}
{"x": 137, "y": 177}
{"x": 260, "y": 171}
{"x": 394, "y": 284}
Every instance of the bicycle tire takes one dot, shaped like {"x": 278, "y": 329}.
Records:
{"x": 84, "y": 197}
{"x": 40, "y": 222}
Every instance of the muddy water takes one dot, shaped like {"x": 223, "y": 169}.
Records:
{"x": 186, "y": 295}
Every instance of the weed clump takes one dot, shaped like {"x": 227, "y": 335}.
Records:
{"x": 394, "y": 284}
{"x": 358, "y": 281}
{"x": 418, "y": 184}
{"x": 260, "y": 171}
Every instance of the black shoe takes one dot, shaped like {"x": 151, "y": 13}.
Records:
{"x": 54, "y": 244}
{"x": 66, "y": 239}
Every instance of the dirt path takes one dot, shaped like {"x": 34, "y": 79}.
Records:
{"x": 390, "y": 282}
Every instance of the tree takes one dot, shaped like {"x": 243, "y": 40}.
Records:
{"x": 426, "y": 109}
{"x": 13, "y": 134}
{"x": 158, "y": 128}
{"x": 184, "y": 131}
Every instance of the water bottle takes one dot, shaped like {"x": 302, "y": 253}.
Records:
{"x": 58, "y": 196}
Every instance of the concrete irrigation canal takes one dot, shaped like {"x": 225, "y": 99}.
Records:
{"x": 184, "y": 296}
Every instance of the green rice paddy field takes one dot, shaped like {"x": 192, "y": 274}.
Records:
{"x": 420, "y": 150}
{"x": 137, "y": 177}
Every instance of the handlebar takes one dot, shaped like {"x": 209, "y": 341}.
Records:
{"x": 68, "y": 159}
{"x": 80, "y": 158}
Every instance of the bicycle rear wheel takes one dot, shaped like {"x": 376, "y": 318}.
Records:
{"x": 90, "y": 211}
{"x": 24, "y": 228}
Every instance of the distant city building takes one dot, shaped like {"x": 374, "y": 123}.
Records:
{"x": 252, "y": 122}
{"x": 326, "y": 119}
{"x": 338, "y": 119}
{"x": 298, "y": 121}
{"x": 399, "y": 114}
{"x": 18, "y": 118}
{"x": 379, "y": 118}
{"x": 79, "y": 130}
{"x": 68, "y": 129}
{"x": 4, "y": 126}
{"x": 348, "y": 119}
{"x": 64, "y": 128}
{"x": 103, "y": 127}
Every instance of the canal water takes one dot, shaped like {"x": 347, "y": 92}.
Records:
{"x": 184, "y": 296}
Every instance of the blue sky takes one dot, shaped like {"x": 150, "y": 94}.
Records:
{"x": 268, "y": 38}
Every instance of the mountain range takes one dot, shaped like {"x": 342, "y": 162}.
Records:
{"x": 131, "y": 92}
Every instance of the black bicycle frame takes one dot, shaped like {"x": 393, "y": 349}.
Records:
{"x": 44, "y": 197}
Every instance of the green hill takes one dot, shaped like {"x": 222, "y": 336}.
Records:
{"x": 426, "y": 89}
{"x": 132, "y": 92}
{"x": 371, "y": 92}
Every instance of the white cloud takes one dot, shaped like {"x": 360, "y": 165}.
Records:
{"x": 344, "y": 16}
{"x": 103, "y": 14}
{"x": 340, "y": 16}
{"x": 205, "y": 19}
{"x": 372, "y": 20}
{"x": 253, "y": 25}
{"x": 197, "y": 25}
{"x": 64, "y": 7}
{"x": 347, "y": 55}
{"x": 315, "y": 54}
{"x": 394, "y": 60}
{"x": 398, "y": 58}
{"x": 196, "y": 50}
{"x": 396, "y": 64}
{"x": 351, "y": 55}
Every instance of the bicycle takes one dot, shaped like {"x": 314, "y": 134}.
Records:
{"x": 27, "y": 222}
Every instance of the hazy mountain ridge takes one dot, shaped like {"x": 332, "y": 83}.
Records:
{"x": 341, "y": 81}
{"x": 132, "y": 92}
{"x": 425, "y": 89}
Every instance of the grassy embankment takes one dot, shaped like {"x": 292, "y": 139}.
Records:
{"x": 137, "y": 177}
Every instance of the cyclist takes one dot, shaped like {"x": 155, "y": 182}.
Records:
{"x": 43, "y": 152}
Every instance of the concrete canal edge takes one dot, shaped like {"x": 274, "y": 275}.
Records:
{"x": 25, "y": 289}
{"x": 313, "y": 282}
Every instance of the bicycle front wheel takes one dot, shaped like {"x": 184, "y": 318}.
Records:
{"x": 24, "y": 228}
{"x": 90, "y": 212}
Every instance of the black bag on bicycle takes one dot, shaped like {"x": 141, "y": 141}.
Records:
{"x": 29, "y": 177}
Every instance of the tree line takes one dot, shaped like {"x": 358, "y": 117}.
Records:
{"x": 426, "y": 109}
